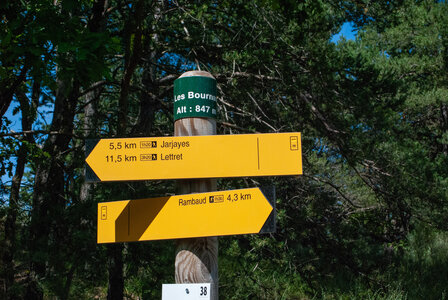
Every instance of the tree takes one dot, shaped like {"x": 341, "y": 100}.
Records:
{"x": 372, "y": 113}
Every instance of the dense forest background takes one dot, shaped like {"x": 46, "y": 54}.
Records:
{"x": 369, "y": 217}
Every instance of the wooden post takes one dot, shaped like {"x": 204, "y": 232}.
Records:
{"x": 197, "y": 258}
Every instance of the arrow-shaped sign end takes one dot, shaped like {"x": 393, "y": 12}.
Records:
{"x": 91, "y": 176}
{"x": 269, "y": 193}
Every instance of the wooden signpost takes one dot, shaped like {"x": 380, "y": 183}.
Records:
{"x": 197, "y": 258}
{"x": 195, "y": 156}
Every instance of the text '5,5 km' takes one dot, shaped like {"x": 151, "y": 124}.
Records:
{"x": 269, "y": 154}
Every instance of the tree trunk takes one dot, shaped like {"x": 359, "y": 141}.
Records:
{"x": 8, "y": 88}
{"x": 10, "y": 224}
{"x": 444, "y": 116}
{"x": 49, "y": 194}
{"x": 115, "y": 289}
{"x": 133, "y": 54}
{"x": 89, "y": 131}
{"x": 28, "y": 116}
{"x": 150, "y": 93}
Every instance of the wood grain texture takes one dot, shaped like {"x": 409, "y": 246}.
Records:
{"x": 197, "y": 258}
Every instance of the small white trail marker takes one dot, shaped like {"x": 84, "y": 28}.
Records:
{"x": 186, "y": 291}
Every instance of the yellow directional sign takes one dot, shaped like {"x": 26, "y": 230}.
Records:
{"x": 194, "y": 215}
{"x": 212, "y": 156}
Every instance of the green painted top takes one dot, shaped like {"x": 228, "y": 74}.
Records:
{"x": 195, "y": 96}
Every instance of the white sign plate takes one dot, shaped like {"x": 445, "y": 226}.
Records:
{"x": 186, "y": 291}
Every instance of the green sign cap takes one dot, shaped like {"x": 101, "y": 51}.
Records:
{"x": 195, "y": 96}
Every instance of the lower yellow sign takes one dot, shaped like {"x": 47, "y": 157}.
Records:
{"x": 232, "y": 212}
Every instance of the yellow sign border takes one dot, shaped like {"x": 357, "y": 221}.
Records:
{"x": 241, "y": 211}
{"x": 214, "y": 156}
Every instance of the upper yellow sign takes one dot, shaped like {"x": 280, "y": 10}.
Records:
{"x": 213, "y": 156}
{"x": 241, "y": 211}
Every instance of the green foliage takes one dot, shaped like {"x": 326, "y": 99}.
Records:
{"x": 367, "y": 219}
{"x": 422, "y": 267}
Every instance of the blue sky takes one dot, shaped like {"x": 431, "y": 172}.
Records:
{"x": 347, "y": 31}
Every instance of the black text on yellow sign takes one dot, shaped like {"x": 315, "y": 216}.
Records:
{"x": 269, "y": 154}
{"x": 244, "y": 211}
